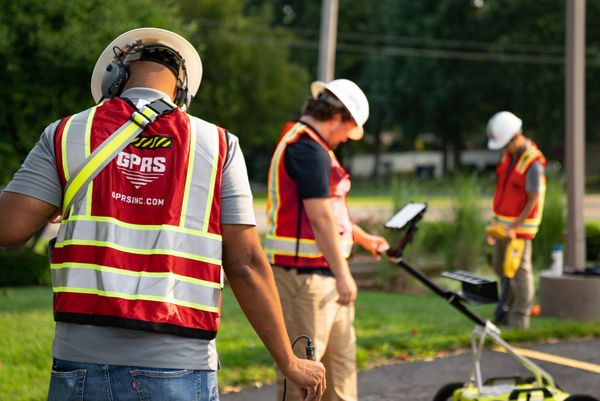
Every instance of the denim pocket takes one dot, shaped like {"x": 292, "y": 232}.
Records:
{"x": 66, "y": 385}
{"x": 165, "y": 385}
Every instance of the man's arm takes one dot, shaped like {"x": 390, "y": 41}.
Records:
{"x": 252, "y": 283}
{"x": 22, "y": 216}
{"x": 533, "y": 186}
{"x": 532, "y": 201}
{"x": 326, "y": 233}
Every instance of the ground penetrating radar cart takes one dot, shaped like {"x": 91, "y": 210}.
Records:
{"x": 476, "y": 290}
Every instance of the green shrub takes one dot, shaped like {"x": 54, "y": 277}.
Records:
{"x": 22, "y": 266}
{"x": 407, "y": 190}
{"x": 465, "y": 240}
{"x": 552, "y": 228}
{"x": 592, "y": 236}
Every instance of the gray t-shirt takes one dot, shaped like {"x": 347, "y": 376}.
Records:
{"x": 533, "y": 177}
{"x": 38, "y": 178}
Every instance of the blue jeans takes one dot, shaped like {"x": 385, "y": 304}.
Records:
{"x": 75, "y": 381}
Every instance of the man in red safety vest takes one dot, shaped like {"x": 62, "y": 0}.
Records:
{"x": 310, "y": 234}
{"x": 517, "y": 213}
{"x": 155, "y": 204}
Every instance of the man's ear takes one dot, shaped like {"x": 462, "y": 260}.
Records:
{"x": 337, "y": 117}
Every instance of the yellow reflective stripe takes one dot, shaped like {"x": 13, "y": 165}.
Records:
{"x": 148, "y": 112}
{"x": 293, "y": 253}
{"x": 291, "y": 239}
{"x": 63, "y": 145}
{"x": 189, "y": 176}
{"x": 112, "y": 220}
{"x": 526, "y": 160}
{"x": 526, "y": 223}
{"x": 272, "y": 251}
{"x": 211, "y": 185}
{"x": 526, "y": 230}
{"x": 303, "y": 240}
{"x": 271, "y": 246}
{"x": 509, "y": 219}
{"x": 140, "y": 120}
{"x": 136, "y": 297}
{"x": 139, "y": 251}
{"x": 96, "y": 161}
{"x": 88, "y": 150}
{"x": 124, "y": 272}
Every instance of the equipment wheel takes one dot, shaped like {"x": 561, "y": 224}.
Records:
{"x": 580, "y": 398}
{"x": 445, "y": 393}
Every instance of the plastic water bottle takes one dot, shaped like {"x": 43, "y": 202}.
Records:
{"x": 557, "y": 260}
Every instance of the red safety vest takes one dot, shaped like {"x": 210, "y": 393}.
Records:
{"x": 289, "y": 240}
{"x": 143, "y": 248}
{"x": 510, "y": 197}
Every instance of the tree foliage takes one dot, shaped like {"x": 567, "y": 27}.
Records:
{"x": 249, "y": 85}
{"x": 428, "y": 66}
{"x": 48, "y": 50}
{"x": 445, "y": 66}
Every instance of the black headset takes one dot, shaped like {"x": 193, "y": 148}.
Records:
{"x": 116, "y": 73}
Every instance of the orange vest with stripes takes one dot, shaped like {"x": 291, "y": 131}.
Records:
{"x": 290, "y": 240}
{"x": 511, "y": 197}
{"x": 142, "y": 249}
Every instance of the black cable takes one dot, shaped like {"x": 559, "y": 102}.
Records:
{"x": 310, "y": 354}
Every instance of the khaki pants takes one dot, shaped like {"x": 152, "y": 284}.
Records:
{"x": 310, "y": 308}
{"x": 520, "y": 291}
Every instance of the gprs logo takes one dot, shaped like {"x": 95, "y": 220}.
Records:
{"x": 141, "y": 171}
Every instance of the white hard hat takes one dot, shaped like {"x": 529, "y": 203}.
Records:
{"x": 169, "y": 39}
{"x": 501, "y": 128}
{"x": 351, "y": 96}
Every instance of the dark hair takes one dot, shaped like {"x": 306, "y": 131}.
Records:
{"x": 325, "y": 107}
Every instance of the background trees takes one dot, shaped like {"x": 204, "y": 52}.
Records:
{"x": 441, "y": 67}
{"x": 47, "y": 51}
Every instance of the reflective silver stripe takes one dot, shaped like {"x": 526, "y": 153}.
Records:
{"x": 76, "y": 149}
{"x": 162, "y": 238}
{"x": 307, "y": 248}
{"x": 205, "y": 155}
{"x": 132, "y": 285}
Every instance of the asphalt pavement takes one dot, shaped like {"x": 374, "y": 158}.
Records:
{"x": 419, "y": 381}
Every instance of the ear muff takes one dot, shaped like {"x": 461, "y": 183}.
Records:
{"x": 182, "y": 98}
{"x": 116, "y": 73}
{"x": 114, "y": 79}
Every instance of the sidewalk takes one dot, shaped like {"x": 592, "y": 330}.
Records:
{"x": 419, "y": 381}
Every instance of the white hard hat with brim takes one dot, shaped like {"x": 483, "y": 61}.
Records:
{"x": 353, "y": 99}
{"x": 501, "y": 128}
{"x": 169, "y": 39}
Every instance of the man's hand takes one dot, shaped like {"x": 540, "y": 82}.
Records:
{"x": 346, "y": 288}
{"x": 372, "y": 243}
{"x": 56, "y": 216}
{"x": 309, "y": 377}
{"x": 511, "y": 232}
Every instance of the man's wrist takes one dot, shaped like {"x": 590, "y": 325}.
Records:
{"x": 341, "y": 270}
{"x": 289, "y": 363}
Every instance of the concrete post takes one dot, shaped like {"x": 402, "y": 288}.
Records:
{"x": 575, "y": 132}
{"x": 329, "y": 18}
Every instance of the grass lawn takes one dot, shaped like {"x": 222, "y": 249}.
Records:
{"x": 389, "y": 327}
